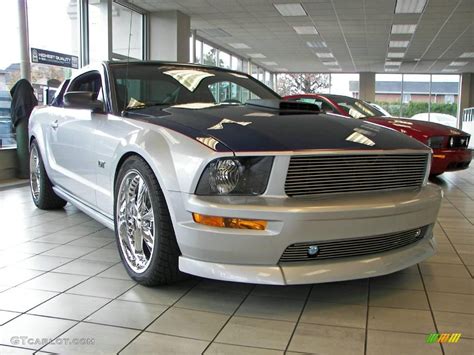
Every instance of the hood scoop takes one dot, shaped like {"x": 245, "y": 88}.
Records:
{"x": 290, "y": 107}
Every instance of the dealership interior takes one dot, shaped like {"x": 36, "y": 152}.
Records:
{"x": 65, "y": 285}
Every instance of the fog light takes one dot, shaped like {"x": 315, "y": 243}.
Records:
{"x": 228, "y": 222}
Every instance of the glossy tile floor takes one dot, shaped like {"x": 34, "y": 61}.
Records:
{"x": 61, "y": 279}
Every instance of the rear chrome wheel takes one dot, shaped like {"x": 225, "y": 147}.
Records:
{"x": 41, "y": 187}
{"x": 35, "y": 173}
{"x": 136, "y": 221}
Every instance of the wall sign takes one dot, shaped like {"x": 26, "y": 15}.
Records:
{"x": 54, "y": 58}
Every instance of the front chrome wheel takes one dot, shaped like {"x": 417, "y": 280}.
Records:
{"x": 35, "y": 173}
{"x": 135, "y": 221}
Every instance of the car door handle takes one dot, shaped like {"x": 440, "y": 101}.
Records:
{"x": 54, "y": 125}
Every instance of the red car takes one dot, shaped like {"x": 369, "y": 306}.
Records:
{"x": 450, "y": 145}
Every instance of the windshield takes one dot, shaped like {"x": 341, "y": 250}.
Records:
{"x": 144, "y": 85}
{"x": 354, "y": 107}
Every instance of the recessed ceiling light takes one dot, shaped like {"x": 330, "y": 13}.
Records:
{"x": 399, "y": 44}
{"x": 331, "y": 63}
{"x": 269, "y": 63}
{"x": 395, "y": 54}
{"x": 391, "y": 64}
{"x": 291, "y": 9}
{"x": 325, "y": 55}
{"x": 281, "y": 69}
{"x": 410, "y": 6}
{"x": 335, "y": 69}
{"x": 467, "y": 55}
{"x": 391, "y": 69}
{"x": 449, "y": 70}
{"x": 239, "y": 45}
{"x": 306, "y": 30}
{"x": 316, "y": 44}
{"x": 256, "y": 55}
{"x": 403, "y": 29}
{"x": 457, "y": 64}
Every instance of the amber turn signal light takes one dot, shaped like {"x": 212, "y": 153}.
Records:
{"x": 228, "y": 222}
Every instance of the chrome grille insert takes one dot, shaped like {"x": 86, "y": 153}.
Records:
{"x": 323, "y": 174}
{"x": 343, "y": 248}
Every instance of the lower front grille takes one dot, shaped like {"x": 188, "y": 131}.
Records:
{"x": 344, "y": 248}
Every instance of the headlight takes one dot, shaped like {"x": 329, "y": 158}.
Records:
{"x": 451, "y": 142}
{"x": 436, "y": 142}
{"x": 235, "y": 176}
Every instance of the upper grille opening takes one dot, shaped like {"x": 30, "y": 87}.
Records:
{"x": 312, "y": 175}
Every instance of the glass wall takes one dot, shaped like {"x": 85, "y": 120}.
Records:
{"x": 419, "y": 96}
{"x": 208, "y": 55}
{"x": 45, "y": 35}
{"x": 9, "y": 67}
{"x": 127, "y": 34}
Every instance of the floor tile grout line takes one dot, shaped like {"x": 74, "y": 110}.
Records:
{"x": 230, "y": 317}
{"x": 57, "y": 293}
{"x": 154, "y": 320}
{"x": 457, "y": 253}
{"x": 430, "y": 307}
{"x": 299, "y": 318}
{"x": 81, "y": 321}
{"x": 367, "y": 317}
{"x": 461, "y": 212}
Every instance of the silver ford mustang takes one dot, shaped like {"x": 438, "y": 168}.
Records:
{"x": 206, "y": 171}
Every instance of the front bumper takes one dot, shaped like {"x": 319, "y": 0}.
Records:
{"x": 253, "y": 256}
{"x": 309, "y": 272}
{"x": 450, "y": 160}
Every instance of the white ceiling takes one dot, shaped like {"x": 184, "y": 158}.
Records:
{"x": 357, "y": 32}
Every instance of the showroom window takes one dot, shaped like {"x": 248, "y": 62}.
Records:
{"x": 44, "y": 35}
{"x": 127, "y": 33}
{"x": 419, "y": 96}
{"x": 9, "y": 67}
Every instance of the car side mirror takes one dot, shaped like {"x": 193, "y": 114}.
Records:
{"x": 83, "y": 100}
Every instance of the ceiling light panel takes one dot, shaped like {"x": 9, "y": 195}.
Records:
{"x": 391, "y": 64}
{"x": 281, "y": 69}
{"x": 324, "y": 55}
{"x": 305, "y": 30}
{"x": 316, "y": 44}
{"x": 395, "y": 55}
{"x": 467, "y": 55}
{"x": 410, "y": 6}
{"x": 457, "y": 64}
{"x": 291, "y": 9}
{"x": 331, "y": 63}
{"x": 399, "y": 44}
{"x": 256, "y": 55}
{"x": 269, "y": 63}
{"x": 391, "y": 69}
{"x": 449, "y": 70}
{"x": 239, "y": 45}
{"x": 403, "y": 29}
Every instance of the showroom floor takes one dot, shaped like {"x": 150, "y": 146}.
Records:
{"x": 60, "y": 278}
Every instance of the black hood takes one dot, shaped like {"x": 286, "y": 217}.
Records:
{"x": 242, "y": 128}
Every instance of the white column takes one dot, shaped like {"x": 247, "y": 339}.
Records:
{"x": 25, "y": 66}
{"x": 466, "y": 94}
{"x": 169, "y": 36}
{"x": 367, "y": 86}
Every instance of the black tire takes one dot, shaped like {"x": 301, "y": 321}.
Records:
{"x": 46, "y": 198}
{"x": 163, "y": 266}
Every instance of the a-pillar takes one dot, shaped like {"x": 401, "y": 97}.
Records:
{"x": 367, "y": 86}
{"x": 169, "y": 36}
